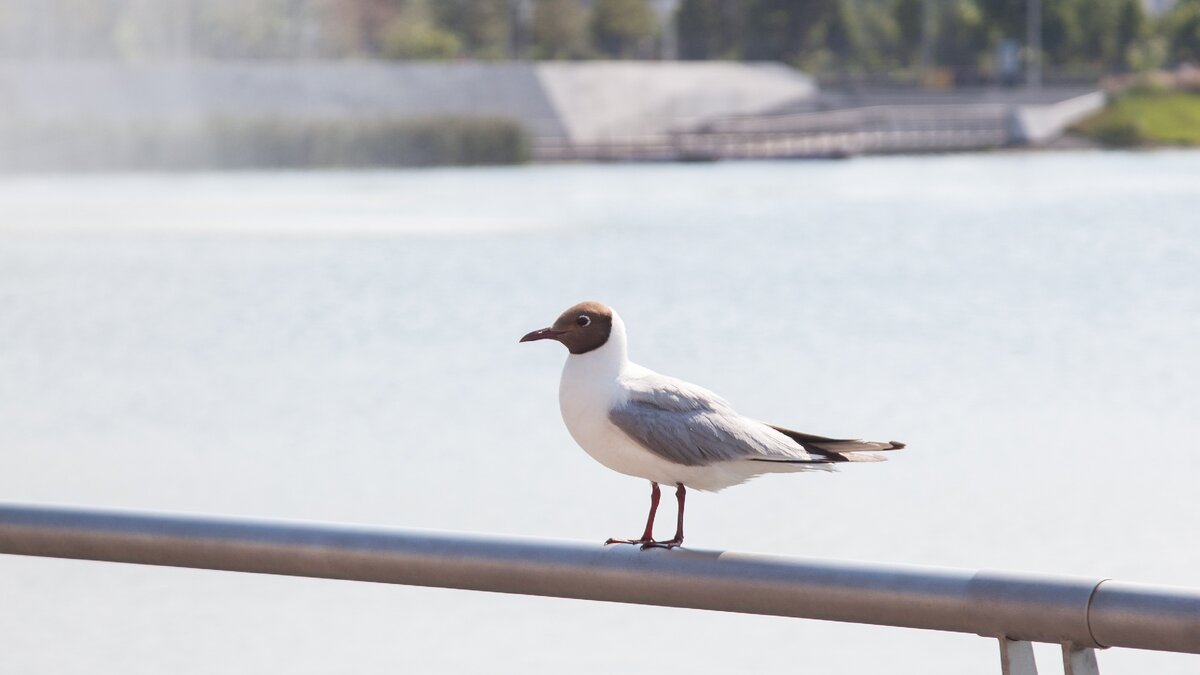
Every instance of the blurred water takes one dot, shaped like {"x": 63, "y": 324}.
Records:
{"x": 343, "y": 347}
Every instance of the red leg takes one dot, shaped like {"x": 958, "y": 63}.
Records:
{"x": 677, "y": 540}
{"x": 648, "y": 535}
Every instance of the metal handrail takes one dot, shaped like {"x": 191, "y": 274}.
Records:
{"x": 1078, "y": 612}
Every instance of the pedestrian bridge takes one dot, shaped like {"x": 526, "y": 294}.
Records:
{"x": 1016, "y": 609}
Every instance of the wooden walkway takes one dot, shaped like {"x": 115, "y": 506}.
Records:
{"x": 875, "y": 129}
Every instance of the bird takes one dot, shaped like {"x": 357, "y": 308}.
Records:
{"x": 643, "y": 424}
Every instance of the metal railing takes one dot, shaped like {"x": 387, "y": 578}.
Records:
{"x": 1078, "y": 613}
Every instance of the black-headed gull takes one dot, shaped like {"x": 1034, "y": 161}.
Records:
{"x": 640, "y": 423}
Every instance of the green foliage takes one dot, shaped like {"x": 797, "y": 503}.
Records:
{"x": 963, "y": 39}
{"x": 1116, "y": 133}
{"x": 560, "y": 30}
{"x": 413, "y": 33}
{"x": 413, "y": 40}
{"x": 1062, "y": 32}
{"x": 708, "y": 29}
{"x": 481, "y": 25}
{"x": 1147, "y": 54}
{"x": 1005, "y": 18}
{"x": 909, "y": 20}
{"x": 249, "y": 142}
{"x": 1182, "y": 29}
{"x": 842, "y": 32}
{"x": 1147, "y": 118}
{"x": 782, "y": 30}
{"x": 1131, "y": 33}
{"x": 845, "y": 36}
{"x": 623, "y": 28}
{"x": 878, "y": 36}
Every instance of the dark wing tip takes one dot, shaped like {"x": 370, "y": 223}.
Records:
{"x": 897, "y": 445}
{"x": 814, "y": 460}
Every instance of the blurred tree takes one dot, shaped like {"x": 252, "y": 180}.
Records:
{"x": 1148, "y": 54}
{"x": 834, "y": 42}
{"x": 847, "y": 35}
{"x": 909, "y": 16}
{"x": 1062, "y": 36}
{"x": 1182, "y": 30}
{"x": 624, "y": 28}
{"x": 413, "y": 33}
{"x": 843, "y": 34}
{"x": 239, "y": 29}
{"x": 560, "y": 30}
{"x": 1004, "y": 18}
{"x": 356, "y": 26}
{"x": 709, "y": 29}
{"x": 482, "y": 26}
{"x": 962, "y": 39}
{"x": 879, "y": 36}
{"x": 782, "y": 30}
{"x": 1097, "y": 34}
{"x": 1131, "y": 30}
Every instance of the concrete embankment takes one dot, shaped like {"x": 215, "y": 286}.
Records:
{"x": 900, "y": 123}
{"x": 93, "y": 115}
{"x": 57, "y": 116}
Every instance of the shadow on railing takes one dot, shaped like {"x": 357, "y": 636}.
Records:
{"x": 1079, "y": 613}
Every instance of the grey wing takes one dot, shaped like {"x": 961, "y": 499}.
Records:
{"x": 688, "y": 425}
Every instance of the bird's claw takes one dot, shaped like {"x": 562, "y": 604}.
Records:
{"x": 647, "y": 544}
{"x": 635, "y": 542}
{"x": 674, "y": 543}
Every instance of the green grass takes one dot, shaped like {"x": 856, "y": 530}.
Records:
{"x": 1147, "y": 118}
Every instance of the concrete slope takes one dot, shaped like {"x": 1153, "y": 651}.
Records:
{"x": 599, "y": 102}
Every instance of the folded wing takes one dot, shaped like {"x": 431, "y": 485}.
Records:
{"x": 689, "y": 425}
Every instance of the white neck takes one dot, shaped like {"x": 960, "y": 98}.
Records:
{"x": 605, "y": 361}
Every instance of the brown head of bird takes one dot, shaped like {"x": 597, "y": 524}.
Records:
{"x": 581, "y": 328}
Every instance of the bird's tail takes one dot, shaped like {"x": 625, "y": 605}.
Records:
{"x": 840, "y": 449}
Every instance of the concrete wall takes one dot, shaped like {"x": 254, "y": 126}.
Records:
{"x": 1037, "y": 124}
{"x": 617, "y": 101}
{"x": 556, "y": 102}
{"x": 197, "y": 90}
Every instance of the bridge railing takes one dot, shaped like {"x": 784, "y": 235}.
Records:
{"x": 1078, "y": 613}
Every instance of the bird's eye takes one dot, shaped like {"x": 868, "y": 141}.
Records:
{"x": 583, "y": 320}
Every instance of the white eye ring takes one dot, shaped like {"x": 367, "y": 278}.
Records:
{"x": 583, "y": 320}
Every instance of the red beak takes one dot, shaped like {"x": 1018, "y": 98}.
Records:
{"x": 543, "y": 334}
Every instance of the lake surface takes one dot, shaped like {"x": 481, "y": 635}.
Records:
{"x": 343, "y": 347}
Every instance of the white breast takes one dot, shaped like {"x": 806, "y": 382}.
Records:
{"x": 587, "y": 391}
{"x": 591, "y": 386}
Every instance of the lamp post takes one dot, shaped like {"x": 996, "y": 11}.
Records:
{"x": 665, "y": 11}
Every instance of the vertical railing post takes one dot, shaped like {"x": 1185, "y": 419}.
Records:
{"x": 1079, "y": 660}
{"x": 1016, "y": 657}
